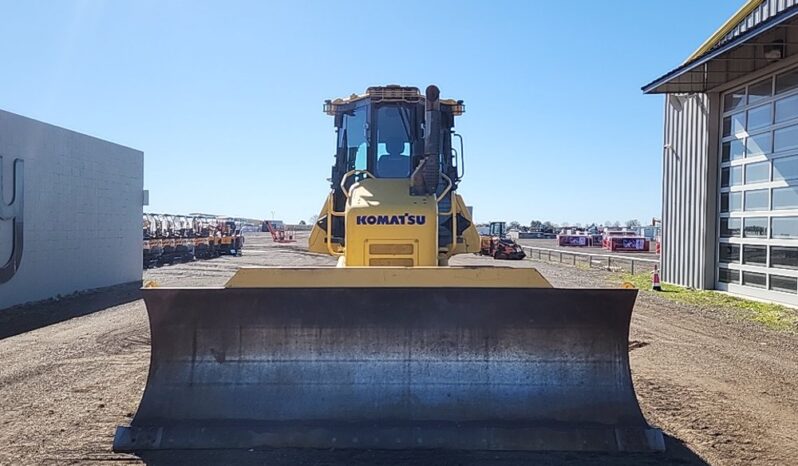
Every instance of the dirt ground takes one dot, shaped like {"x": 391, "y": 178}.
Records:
{"x": 724, "y": 390}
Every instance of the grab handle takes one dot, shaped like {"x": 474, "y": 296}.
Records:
{"x": 350, "y": 173}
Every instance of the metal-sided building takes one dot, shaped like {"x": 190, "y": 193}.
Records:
{"x": 70, "y": 211}
{"x": 730, "y": 158}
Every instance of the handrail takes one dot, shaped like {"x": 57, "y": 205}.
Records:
{"x": 575, "y": 253}
{"x": 452, "y": 211}
{"x": 350, "y": 173}
{"x": 460, "y": 156}
{"x": 590, "y": 256}
{"x": 448, "y": 188}
{"x": 328, "y": 233}
{"x": 332, "y": 213}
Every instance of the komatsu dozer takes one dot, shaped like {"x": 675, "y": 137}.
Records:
{"x": 394, "y": 348}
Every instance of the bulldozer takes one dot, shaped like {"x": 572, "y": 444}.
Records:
{"x": 497, "y": 245}
{"x": 393, "y": 348}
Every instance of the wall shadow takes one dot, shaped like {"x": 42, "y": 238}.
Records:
{"x": 676, "y": 453}
{"x": 24, "y": 318}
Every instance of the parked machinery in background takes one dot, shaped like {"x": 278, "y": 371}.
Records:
{"x": 576, "y": 238}
{"x": 624, "y": 241}
{"x": 231, "y": 241}
{"x": 153, "y": 247}
{"x": 204, "y": 238}
{"x": 267, "y": 225}
{"x": 184, "y": 238}
{"x": 595, "y": 235}
{"x": 278, "y": 231}
{"x": 497, "y": 245}
{"x": 170, "y": 239}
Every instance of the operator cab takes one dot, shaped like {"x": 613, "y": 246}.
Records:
{"x": 497, "y": 229}
{"x": 381, "y": 134}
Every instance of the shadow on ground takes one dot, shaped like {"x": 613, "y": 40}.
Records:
{"x": 676, "y": 454}
{"x": 27, "y": 317}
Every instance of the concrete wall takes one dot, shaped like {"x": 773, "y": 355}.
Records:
{"x": 81, "y": 202}
{"x": 689, "y": 187}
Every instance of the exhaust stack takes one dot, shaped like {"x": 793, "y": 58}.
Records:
{"x": 424, "y": 180}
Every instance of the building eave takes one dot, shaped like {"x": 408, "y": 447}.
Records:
{"x": 707, "y": 71}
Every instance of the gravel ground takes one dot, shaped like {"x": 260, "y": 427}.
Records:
{"x": 598, "y": 251}
{"x": 723, "y": 389}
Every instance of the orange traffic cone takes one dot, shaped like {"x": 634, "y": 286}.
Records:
{"x": 655, "y": 285}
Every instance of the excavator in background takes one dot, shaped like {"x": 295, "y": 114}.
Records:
{"x": 497, "y": 245}
{"x": 394, "y": 348}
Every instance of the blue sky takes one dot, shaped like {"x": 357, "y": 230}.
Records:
{"x": 224, "y": 98}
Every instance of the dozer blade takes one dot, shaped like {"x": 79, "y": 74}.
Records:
{"x": 488, "y": 368}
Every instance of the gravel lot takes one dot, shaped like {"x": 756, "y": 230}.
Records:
{"x": 552, "y": 244}
{"x": 724, "y": 390}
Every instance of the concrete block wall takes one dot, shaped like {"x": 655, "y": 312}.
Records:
{"x": 82, "y": 211}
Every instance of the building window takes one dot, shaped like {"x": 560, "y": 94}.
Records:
{"x": 784, "y": 227}
{"x": 787, "y": 81}
{"x": 731, "y": 202}
{"x": 756, "y": 200}
{"x": 759, "y": 91}
{"x": 786, "y": 109}
{"x": 731, "y": 176}
{"x": 759, "y": 117}
{"x": 754, "y": 279}
{"x": 758, "y": 187}
{"x": 782, "y": 283}
{"x": 734, "y": 124}
{"x": 785, "y": 138}
{"x": 728, "y": 276}
{"x": 729, "y": 227}
{"x": 755, "y": 255}
{"x": 729, "y": 253}
{"x": 733, "y": 150}
{"x": 785, "y": 168}
{"x": 755, "y": 227}
{"x": 757, "y": 172}
{"x": 785, "y": 198}
{"x": 758, "y": 144}
{"x": 785, "y": 257}
{"x": 734, "y": 100}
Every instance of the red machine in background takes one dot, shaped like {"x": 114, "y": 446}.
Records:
{"x": 658, "y": 236}
{"x": 497, "y": 245}
{"x": 624, "y": 241}
{"x": 574, "y": 238}
{"x": 278, "y": 231}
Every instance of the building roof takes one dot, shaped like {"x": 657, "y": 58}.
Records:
{"x": 745, "y": 43}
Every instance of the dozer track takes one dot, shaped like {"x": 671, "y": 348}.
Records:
{"x": 389, "y": 367}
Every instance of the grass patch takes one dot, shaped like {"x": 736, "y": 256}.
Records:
{"x": 582, "y": 266}
{"x": 771, "y": 315}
